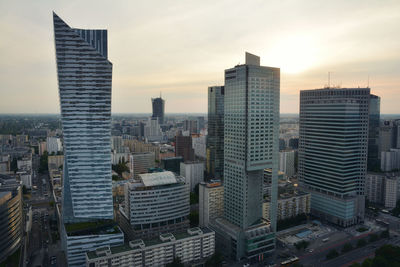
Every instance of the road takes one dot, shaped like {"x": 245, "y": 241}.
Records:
{"x": 41, "y": 246}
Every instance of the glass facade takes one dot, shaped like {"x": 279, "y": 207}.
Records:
{"x": 215, "y": 137}
{"x": 373, "y": 134}
{"x": 84, "y": 82}
{"x": 333, "y": 148}
{"x": 158, "y": 109}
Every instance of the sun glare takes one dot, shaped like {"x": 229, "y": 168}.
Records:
{"x": 293, "y": 54}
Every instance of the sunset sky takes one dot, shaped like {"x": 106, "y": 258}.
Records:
{"x": 182, "y": 47}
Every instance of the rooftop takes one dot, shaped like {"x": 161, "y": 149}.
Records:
{"x": 158, "y": 178}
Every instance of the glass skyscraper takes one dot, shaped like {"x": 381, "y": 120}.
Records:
{"x": 373, "y": 134}
{"x": 84, "y": 82}
{"x": 333, "y": 147}
{"x": 158, "y": 105}
{"x": 251, "y": 131}
{"x": 215, "y": 137}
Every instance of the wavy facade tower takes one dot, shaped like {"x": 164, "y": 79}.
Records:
{"x": 84, "y": 82}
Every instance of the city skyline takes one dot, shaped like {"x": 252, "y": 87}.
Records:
{"x": 350, "y": 40}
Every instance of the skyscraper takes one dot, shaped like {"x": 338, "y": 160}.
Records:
{"x": 373, "y": 132}
{"x": 251, "y": 128}
{"x": 215, "y": 137}
{"x": 84, "y": 82}
{"x": 333, "y": 147}
{"x": 158, "y": 109}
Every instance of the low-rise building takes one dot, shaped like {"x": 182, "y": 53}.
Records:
{"x": 193, "y": 246}
{"x": 211, "y": 201}
{"x": 289, "y": 205}
{"x": 155, "y": 203}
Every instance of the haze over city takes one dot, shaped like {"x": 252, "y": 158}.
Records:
{"x": 181, "y": 48}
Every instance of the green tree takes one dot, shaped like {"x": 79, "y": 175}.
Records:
{"x": 361, "y": 243}
{"x": 373, "y": 237}
{"x": 385, "y": 234}
{"x": 356, "y": 264}
{"x": 43, "y": 166}
{"x": 13, "y": 165}
{"x": 194, "y": 218}
{"x": 215, "y": 260}
{"x": 175, "y": 263}
{"x": 332, "y": 254}
{"x": 347, "y": 247}
{"x": 367, "y": 263}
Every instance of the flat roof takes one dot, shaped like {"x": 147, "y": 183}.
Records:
{"x": 158, "y": 178}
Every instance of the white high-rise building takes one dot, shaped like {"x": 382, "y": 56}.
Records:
{"x": 211, "y": 202}
{"x": 251, "y": 132}
{"x": 193, "y": 172}
{"x": 152, "y": 130}
{"x": 53, "y": 145}
{"x": 390, "y": 160}
{"x": 286, "y": 162}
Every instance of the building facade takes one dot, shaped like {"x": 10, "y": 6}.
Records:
{"x": 373, "y": 132}
{"x": 211, "y": 202}
{"x": 158, "y": 105}
{"x": 289, "y": 205}
{"x": 156, "y": 203}
{"x": 11, "y": 216}
{"x": 333, "y": 149}
{"x": 251, "y": 132}
{"x": 53, "y": 145}
{"x": 390, "y": 160}
{"x": 141, "y": 162}
{"x": 84, "y": 82}
{"x": 193, "y": 246}
{"x": 193, "y": 171}
{"x": 215, "y": 137}
{"x": 375, "y": 187}
{"x": 184, "y": 147}
{"x": 286, "y": 162}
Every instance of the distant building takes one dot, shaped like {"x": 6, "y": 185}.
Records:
{"x": 294, "y": 143}
{"x": 193, "y": 246}
{"x": 287, "y": 162}
{"x": 375, "y": 188}
{"x": 373, "y": 132}
{"x": 53, "y": 145}
{"x": 11, "y": 216}
{"x": 190, "y": 126}
{"x": 289, "y": 205}
{"x": 211, "y": 202}
{"x": 193, "y": 171}
{"x": 152, "y": 131}
{"x": 199, "y": 146}
{"x": 172, "y": 164}
{"x": 390, "y": 160}
{"x": 158, "y": 105}
{"x": 387, "y": 136}
{"x": 141, "y": 162}
{"x": 184, "y": 148}
{"x": 42, "y": 148}
{"x": 392, "y": 191}
{"x": 117, "y": 144}
{"x": 155, "y": 203}
{"x": 282, "y": 144}
{"x": 215, "y": 137}
{"x": 333, "y": 149}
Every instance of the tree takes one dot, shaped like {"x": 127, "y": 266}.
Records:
{"x": 175, "y": 263}
{"x": 347, "y": 247}
{"x": 356, "y": 264}
{"x": 215, "y": 260}
{"x": 43, "y": 166}
{"x": 385, "y": 234}
{"x": 301, "y": 245}
{"x": 332, "y": 254}
{"x": 373, "y": 237}
{"x": 361, "y": 243}
{"x": 367, "y": 263}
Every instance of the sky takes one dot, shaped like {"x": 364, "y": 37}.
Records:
{"x": 179, "y": 48}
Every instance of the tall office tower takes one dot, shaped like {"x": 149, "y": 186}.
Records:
{"x": 84, "y": 82}
{"x": 287, "y": 161}
{"x": 158, "y": 109}
{"x": 373, "y": 132}
{"x": 215, "y": 137}
{"x": 333, "y": 150}
{"x": 251, "y": 129}
{"x": 184, "y": 148}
